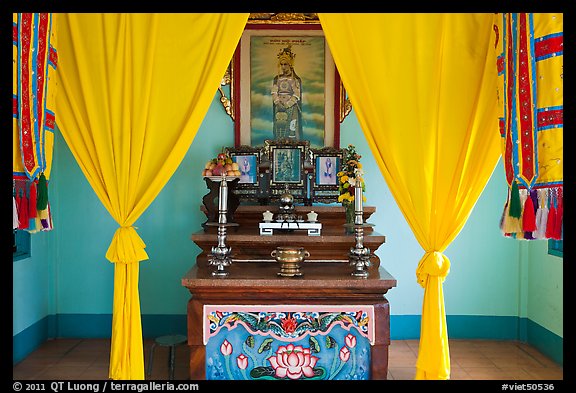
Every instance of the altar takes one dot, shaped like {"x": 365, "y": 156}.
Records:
{"x": 326, "y": 323}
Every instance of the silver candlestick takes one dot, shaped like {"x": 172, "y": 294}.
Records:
{"x": 358, "y": 208}
{"x": 220, "y": 256}
{"x": 359, "y": 255}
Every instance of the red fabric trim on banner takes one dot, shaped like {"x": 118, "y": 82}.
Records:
{"x": 40, "y": 64}
{"x": 500, "y": 64}
{"x": 549, "y": 46}
{"x": 550, "y": 118}
{"x": 50, "y": 120}
{"x": 26, "y": 132}
{"x": 53, "y": 56}
{"x": 502, "y": 127}
{"x": 509, "y": 96}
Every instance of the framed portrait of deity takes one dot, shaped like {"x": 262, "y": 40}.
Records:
{"x": 285, "y": 86}
{"x": 286, "y": 164}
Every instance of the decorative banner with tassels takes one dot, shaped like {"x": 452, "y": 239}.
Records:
{"x": 530, "y": 68}
{"x": 34, "y": 59}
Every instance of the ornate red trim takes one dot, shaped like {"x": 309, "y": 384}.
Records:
{"x": 549, "y": 45}
{"x": 26, "y": 132}
{"x": 508, "y": 166}
{"x": 550, "y": 118}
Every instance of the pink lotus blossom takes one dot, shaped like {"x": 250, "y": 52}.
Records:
{"x": 242, "y": 361}
{"x": 344, "y": 354}
{"x": 226, "y": 348}
{"x": 350, "y": 340}
{"x": 293, "y": 362}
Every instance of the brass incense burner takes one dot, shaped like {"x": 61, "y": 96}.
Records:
{"x": 290, "y": 259}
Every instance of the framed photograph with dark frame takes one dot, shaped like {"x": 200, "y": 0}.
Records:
{"x": 248, "y": 160}
{"x": 287, "y": 165}
{"x": 284, "y": 84}
{"x": 327, "y": 163}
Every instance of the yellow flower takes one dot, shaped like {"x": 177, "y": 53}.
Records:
{"x": 344, "y": 179}
{"x": 345, "y": 197}
{"x": 359, "y": 165}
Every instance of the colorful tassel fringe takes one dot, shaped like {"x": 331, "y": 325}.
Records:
{"x": 42, "y": 200}
{"x": 31, "y": 207}
{"x": 528, "y": 216}
{"x": 15, "y": 222}
{"x": 515, "y": 204}
{"x": 533, "y": 214}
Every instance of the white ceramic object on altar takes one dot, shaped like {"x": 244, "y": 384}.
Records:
{"x": 312, "y": 216}
{"x": 267, "y": 216}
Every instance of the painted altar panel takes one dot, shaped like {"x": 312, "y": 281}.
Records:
{"x": 306, "y": 342}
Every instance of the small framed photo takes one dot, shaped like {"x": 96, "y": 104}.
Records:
{"x": 327, "y": 163}
{"x": 248, "y": 167}
{"x": 248, "y": 160}
{"x": 326, "y": 170}
{"x": 287, "y": 164}
{"x": 286, "y": 167}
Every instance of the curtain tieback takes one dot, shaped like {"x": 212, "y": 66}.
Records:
{"x": 126, "y": 246}
{"x": 433, "y": 263}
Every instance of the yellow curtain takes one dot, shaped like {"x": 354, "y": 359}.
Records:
{"x": 423, "y": 88}
{"x": 133, "y": 90}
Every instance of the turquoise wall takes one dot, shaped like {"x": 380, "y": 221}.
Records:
{"x": 69, "y": 279}
{"x": 33, "y": 288}
{"x": 34, "y": 283}
{"x": 545, "y": 287}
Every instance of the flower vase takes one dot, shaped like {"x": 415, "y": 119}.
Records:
{"x": 350, "y": 215}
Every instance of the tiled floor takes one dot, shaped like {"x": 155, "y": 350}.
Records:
{"x": 88, "y": 359}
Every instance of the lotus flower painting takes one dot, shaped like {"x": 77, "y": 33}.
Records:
{"x": 288, "y": 345}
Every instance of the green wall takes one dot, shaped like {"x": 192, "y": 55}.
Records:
{"x": 68, "y": 275}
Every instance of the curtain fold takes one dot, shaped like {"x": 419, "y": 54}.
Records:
{"x": 133, "y": 91}
{"x": 423, "y": 88}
